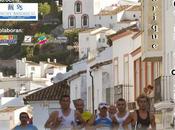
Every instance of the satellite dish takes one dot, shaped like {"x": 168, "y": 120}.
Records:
{"x": 57, "y": 78}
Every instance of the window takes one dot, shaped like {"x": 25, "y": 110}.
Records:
{"x": 33, "y": 68}
{"x": 72, "y": 21}
{"x": 103, "y": 40}
{"x": 87, "y": 39}
{"x": 111, "y": 17}
{"x": 116, "y": 71}
{"x": 78, "y": 7}
{"x": 99, "y": 17}
{"x": 85, "y": 20}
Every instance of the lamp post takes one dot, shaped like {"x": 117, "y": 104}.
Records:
{"x": 92, "y": 91}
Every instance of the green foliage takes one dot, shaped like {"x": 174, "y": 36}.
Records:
{"x": 47, "y": 28}
{"x": 9, "y": 51}
{"x": 36, "y": 50}
{"x": 44, "y": 8}
{"x": 8, "y": 71}
{"x": 72, "y": 34}
{"x": 35, "y": 1}
{"x": 59, "y": 15}
{"x": 29, "y": 51}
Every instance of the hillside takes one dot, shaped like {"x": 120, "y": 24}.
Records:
{"x": 49, "y": 25}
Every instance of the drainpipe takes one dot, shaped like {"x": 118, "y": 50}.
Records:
{"x": 92, "y": 92}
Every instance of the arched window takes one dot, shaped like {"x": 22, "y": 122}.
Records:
{"x": 85, "y": 20}
{"x": 78, "y": 7}
{"x": 71, "y": 21}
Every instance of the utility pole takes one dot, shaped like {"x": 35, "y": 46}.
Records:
{"x": 92, "y": 92}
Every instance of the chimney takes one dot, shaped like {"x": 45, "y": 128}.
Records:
{"x": 48, "y": 60}
{"x": 24, "y": 59}
{"x": 1, "y": 75}
{"x": 17, "y": 75}
{"x": 55, "y": 60}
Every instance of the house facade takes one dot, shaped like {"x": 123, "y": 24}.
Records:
{"x": 96, "y": 13}
{"x": 159, "y": 47}
{"x": 45, "y": 101}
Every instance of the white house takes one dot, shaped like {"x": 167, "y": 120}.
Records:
{"x": 10, "y": 108}
{"x": 123, "y": 66}
{"x": 112, "y": 16}
{"x": 92, "y": 41}
{"x": 131, "y": 74}
{"x": 28, "y": 69}
{"x": 80, "y": 13}
{"x": 42, "y": 70}
{"x": 158, "y": 45}
{"x": 95, "y": 13}
{"x": 100, "y": 67}
{"x": 46, "y": 100}
{"x": 28, "y": 78}
{"x": 50, "y": 69}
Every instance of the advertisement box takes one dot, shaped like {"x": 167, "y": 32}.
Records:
{"x": 18, "y": 11}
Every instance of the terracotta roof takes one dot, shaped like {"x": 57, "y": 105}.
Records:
{"x": 136, "y": 35}
{"x": 89, "y": 30}
{"x": 53, "y": 63}
{"x": 120, "y": 35}
{"x": 101, "y": 64}
{"x": 53, "y": 92}
{"x": 127, "y": 21}
{"x": 124, "y": 32}
{"x": 32, "y": 63}
{"x": 52, "y": 67}
{"x": 135, "y": 52}
{"x": 135, "y": 8}
{"x": 114, "y": 11}
{"x": 76, "y": 74}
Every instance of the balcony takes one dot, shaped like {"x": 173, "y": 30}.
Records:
{"x": 164, "y": 89}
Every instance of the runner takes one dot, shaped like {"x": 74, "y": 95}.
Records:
{"x": 122, "y": 114}
{"x": 24, "y": 119}
{"x": 142, "y": 118}
{"x": 102, "y": 121}
{"x": 85, "y": 115}
{"x": 112, "y": 110}
{"x": 65, "y": 118}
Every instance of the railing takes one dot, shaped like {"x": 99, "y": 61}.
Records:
{"x": 123, "y": 91}
{"x": 164, "y": 88}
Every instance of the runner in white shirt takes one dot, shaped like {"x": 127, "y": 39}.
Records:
{"x": 122, "y": 114}
{"x": 63, "y": 119}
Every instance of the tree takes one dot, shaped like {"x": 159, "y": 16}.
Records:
{"x": 44, "y": 9}
{"x": 72, "y": 34}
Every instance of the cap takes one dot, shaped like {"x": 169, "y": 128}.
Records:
{"x": 103, "y": 104}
